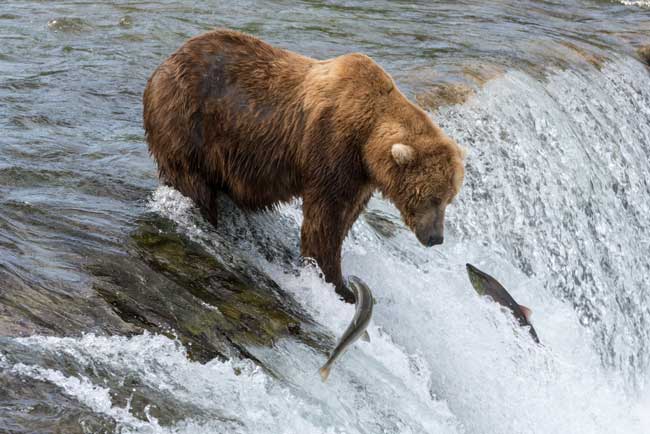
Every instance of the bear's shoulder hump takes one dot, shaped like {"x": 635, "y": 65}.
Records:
{"x": 361, "y": 69}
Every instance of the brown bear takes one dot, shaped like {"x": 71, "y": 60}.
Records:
{"x": 228, "y": 113}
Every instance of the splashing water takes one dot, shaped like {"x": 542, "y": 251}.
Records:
{"x": 641, "y": 3}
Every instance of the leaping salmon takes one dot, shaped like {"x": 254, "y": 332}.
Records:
{"x": 357, "y": 328}
{"x": 484, "y": 284}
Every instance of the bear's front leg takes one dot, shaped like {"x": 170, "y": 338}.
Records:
{"x": 324, "y": 228}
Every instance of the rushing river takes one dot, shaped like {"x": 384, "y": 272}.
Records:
{"x": 122, "y": 310}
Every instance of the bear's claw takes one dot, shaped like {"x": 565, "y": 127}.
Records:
{"x": 345, "y": 294}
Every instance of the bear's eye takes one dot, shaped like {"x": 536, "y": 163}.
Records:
{"x": 435, "y": 201}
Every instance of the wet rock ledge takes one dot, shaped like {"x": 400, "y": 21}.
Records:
{"x": 644, "y": 53}
{"x": 171, "y": 285}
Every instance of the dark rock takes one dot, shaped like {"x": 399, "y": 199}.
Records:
{"x": 644, "y": 53}
{"x": 171, "y": 285}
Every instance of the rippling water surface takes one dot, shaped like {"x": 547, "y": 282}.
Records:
{"x": 122, "y": 310}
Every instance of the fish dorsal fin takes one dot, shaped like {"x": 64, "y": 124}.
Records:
{"x": 365, "y": 337}
{"x": 527, "y": 312}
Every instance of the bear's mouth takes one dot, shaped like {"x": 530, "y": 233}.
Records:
{"x": 429, "y": 240}
{"x": 429, "y": 229}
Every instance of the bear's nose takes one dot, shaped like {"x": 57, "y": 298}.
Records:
{"x": 434, "y": 240}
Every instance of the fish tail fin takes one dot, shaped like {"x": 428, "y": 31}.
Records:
{"x": 324, "y": 373}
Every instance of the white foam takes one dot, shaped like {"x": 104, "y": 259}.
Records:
{"x": 238, "y": 391}
{"x": 95, "y": 397}
{"x": 169, "y": 203}
{"x": 641, "y": 3}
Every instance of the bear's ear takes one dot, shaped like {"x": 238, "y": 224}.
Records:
{"x": 402, "y": 154}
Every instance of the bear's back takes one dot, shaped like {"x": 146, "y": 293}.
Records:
{"x": 230, "y": 112}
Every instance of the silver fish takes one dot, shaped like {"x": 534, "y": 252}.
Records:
{"x": 357, "y": 328}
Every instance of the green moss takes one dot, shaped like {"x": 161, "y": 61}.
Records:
{"x": 230, "y": 311}
{"x": 219, "y": 298}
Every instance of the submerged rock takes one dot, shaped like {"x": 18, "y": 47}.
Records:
{"x": 125, "y": 21}
{"x": 481, "y": 73}
{"x": 67, "y": 25}
{"x": 41, "y": 407}
{"x": 586, "y": 55}
{"x": 443, "y": 94}
{"x": 644, "y": 53}
{"x": 435, "y": 90}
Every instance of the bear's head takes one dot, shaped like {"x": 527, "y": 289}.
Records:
{"x": 421, "y": 173}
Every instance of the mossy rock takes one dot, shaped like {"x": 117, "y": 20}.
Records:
{"x": 170, "y": 284}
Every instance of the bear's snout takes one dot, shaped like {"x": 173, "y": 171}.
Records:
{"x": 429, "y": 238}
{"x": 429, "y": 229}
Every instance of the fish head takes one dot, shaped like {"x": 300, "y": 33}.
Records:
{"x": 478, "y": 279}
{"x": 356, "y": 285}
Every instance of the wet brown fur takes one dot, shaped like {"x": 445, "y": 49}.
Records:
{"x": 229, "y": 113}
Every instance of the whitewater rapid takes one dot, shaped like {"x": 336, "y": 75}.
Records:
{"x": 555, "y": 205}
